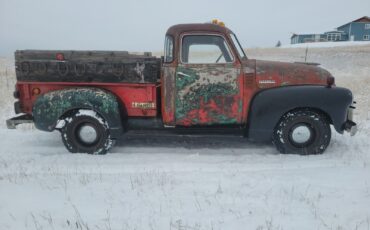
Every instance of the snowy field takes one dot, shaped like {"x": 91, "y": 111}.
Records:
{"x": 162, "y": 182}
{"x": 326, "y": 44}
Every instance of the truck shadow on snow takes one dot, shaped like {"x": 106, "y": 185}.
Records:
{"x": 188, "y": 142}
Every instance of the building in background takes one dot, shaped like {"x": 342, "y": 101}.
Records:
{"x": 357, "y": 30}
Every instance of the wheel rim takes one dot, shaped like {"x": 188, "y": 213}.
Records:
{"x": 301, "y": 135}
{"x": 87, "y": 134}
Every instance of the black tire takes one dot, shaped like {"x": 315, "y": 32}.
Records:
{"x": 302, "y": 132}
{"x": 86, "y": 132}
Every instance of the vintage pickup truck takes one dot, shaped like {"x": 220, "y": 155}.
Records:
{"x": 203, "y": 84}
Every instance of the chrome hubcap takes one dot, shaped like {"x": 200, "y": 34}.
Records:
{"x": 87, "y": 134}
{"x": 301, "y": 134}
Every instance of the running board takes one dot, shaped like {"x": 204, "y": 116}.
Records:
{"x": 189, "y": 132}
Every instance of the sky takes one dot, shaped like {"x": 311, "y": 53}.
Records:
{"x": 140, "y": 25}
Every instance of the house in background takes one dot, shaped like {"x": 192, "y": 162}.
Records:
{"x": 336, "y": 36}
{"x": 357, "y": 30}
{"x": 303, "y": 38}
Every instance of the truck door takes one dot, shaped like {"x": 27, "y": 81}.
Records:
{"x": 208, "y": 85}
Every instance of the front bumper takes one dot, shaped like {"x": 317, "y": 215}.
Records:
{"x": 350, "y": 126}
{"x": 13, "y": 122}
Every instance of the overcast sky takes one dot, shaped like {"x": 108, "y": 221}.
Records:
{"x": 140, "y": 25}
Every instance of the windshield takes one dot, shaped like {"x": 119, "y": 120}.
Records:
{"x": 239, "y": 48}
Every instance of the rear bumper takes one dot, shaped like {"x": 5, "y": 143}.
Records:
{"x": 13, "y": 122}
{"x": 350, "y": 126}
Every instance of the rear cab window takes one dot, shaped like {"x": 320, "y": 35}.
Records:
{"x": 168, "y": 49}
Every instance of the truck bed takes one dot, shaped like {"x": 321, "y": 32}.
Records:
{"x": 86, "y": 66}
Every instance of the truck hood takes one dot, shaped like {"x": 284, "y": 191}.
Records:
{"x": 274, "y": 74}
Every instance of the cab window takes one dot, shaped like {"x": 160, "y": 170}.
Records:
{"x": 205, "y": 49}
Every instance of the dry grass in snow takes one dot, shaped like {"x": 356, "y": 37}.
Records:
{"x": 165, "y": 182}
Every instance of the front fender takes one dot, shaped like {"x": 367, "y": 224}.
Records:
{"x": 51, "y": 106}
{"x": 268, "y": 106}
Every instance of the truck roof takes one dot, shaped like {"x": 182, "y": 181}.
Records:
{"x": 201, "y": 27}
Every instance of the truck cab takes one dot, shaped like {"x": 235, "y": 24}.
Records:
{"x": 204, "y": 80}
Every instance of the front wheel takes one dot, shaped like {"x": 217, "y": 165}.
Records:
{"x": 302, "y": 132}
{"x": 86, "y": 132}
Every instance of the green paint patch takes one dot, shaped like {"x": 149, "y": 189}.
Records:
{"x": 185, "y": 77}
{"x": 240, "y": 108}
{"x": 51, "y": 106}
{"x": 191, "y": 91}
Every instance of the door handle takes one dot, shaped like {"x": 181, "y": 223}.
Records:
{"x": 183, "y": 74}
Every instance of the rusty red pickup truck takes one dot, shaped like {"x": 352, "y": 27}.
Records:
{"x": 203, "y": 84}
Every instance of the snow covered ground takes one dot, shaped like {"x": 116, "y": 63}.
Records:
{"x": 326, "y": 44}
{"x": 165, "y": 182}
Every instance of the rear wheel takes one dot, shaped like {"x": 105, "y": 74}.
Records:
{"x": 86, "y": 132}
{"x": 302, "y": 132}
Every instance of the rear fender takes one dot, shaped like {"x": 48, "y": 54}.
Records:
{"x": 52, "y": 106}
{"x": 268, "y": 106}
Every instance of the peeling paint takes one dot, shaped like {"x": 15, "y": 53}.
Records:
{"x": 168, "y": 95}
{"x": 49, "y": 107}
{"x": 283, "y": 74}
{"x": 207, "y": 95}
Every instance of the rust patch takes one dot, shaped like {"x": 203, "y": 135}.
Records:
{"x": 168, "y": 95}
{"x": 207, "y": 95}
{"x": 273, "y": 74}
